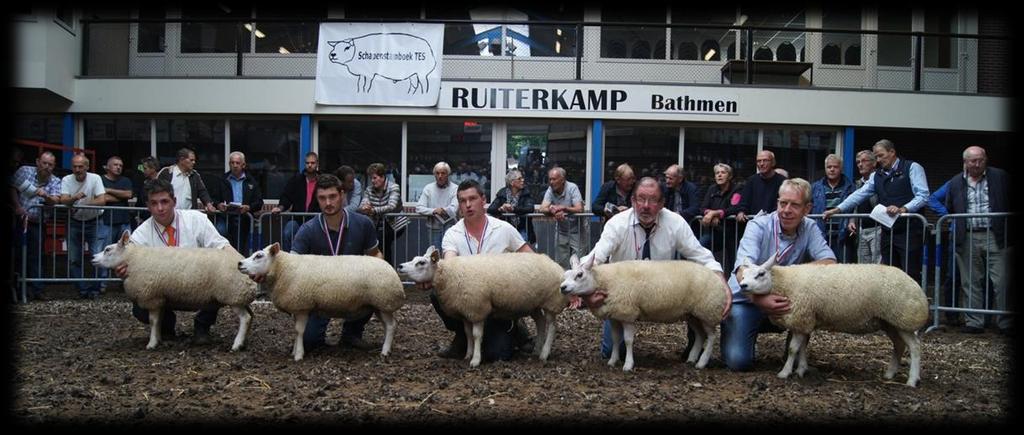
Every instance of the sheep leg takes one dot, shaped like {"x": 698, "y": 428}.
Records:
{"x": 709, "y": 344}
{"x": 468, "y": 327}
{"x": 549, "y": 335}
{"x": 478, "y": 335}
{"x": 628, "y": 332}
{"x": 898, "y": 346}
{"x": 794, "y": 346}
{"x": 298, "y": 351}
{"x": 914, "y": 343}
{"x": 801, "y": 367}
{"x": 699, "y": 338}
{"x": 244, "y": 323}
{"x": 389, "y": 330}
{"x": 616, "y": 340}
{"x": 540, "y": 320}
{"x": 154, "y": 329}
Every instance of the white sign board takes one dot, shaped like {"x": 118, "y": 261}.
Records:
{"x": 382, "y": 64}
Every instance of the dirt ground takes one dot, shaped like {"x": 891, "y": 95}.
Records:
{"x": 85, "y": 362}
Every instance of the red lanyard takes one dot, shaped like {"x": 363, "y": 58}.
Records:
{"x": 483, "y": 235}
{"x": 341, "y": 230}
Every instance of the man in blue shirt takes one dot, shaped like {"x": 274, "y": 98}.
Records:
{"x": 901, "y": 186}
{"x": 241, "y": 200}
{"x": 791, "y": 237}
{"x": 335, "y": 232}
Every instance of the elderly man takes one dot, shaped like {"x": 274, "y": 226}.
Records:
{"x": 82, "y": 187}
{"x": 648, "y": 231}
{"x": 826, "y": 193}
{"x": 761, "y": 189}
{"x": 981, "y": 243}
{"x": 31, "y": 188}
{"x": 680, "y": 194}
{"x": 868, "y": 238}
{"x": 791, "y": 237}
{"x": 174, "y": 227}
{"x": 437, "y": 202}
{"x": 562, "y": 198}
{"x": 241, "y": 196}
{"x": 614, "y": 195}
{"x": 188, "y": 184}
{"x": 900, "y": 186}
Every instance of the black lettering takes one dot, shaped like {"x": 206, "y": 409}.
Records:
{"x": 459, "y": 97}
{"x": 479, "y": 104}
{"x": 505, "y": 97}
{"x": 618, "y": 96}
{"x": 730, "y": 107}
{"x": 558, "y": 101}
{"x": 540, "y": 99}
{"x": 521, "y": 96}
{"x": 577, "y": 100}
{"x": 656, "y": 102}
{"x": 598, "y": 99}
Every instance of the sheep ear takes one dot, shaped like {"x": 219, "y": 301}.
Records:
{"x": 430, "y": 251}
{"x": 435, "y": 256}
{"x": 275, "y": 248}
{"x": 768, "y": 264}
{"x": 574, "y": 262}
{"x": 590, "y": 263}
{"x": 125, "y": 237}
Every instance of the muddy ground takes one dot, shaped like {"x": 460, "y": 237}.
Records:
{"x": 85, "y": 362}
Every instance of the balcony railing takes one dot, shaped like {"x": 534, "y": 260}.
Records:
{"x": 562, "y": 51}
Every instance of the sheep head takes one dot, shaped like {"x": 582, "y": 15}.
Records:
{"x": 757, "y": 279}
{"x": 258, "y": 264}
{"x": 421, "y": 269}
{"x": 114, "y": 254}
{"x": 579, "y": 279}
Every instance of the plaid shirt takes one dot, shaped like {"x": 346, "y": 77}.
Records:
{"x": 28, "y": 199}
{"x": 977, "y": 201}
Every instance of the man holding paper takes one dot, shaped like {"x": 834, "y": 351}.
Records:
{"x": 901, "y": 187}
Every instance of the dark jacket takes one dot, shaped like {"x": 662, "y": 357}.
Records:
{"x": 818, "y": 190}
{"x": 609, "y": 194}
{"x": 524, "y": 206}
{"x": 690, "y": 206}
{"x": 195, "y": 181}
{"x": 715, "y": 199}
{"x": 251, "y": 194}
{"x": 998, "y": 201}
{"x": 293, "y": 197}
{"x": 760, "y": 194}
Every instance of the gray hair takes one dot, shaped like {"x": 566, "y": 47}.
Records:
{"x": 679, "y": 170}
{"x": 237, "y": 153}
{"x": 833, "y": 157}
{"x": 444, "y": 166}
{"x": 558, "y": 170}
{"x": 868, "y": 153}
{"x": 800, "y": 185}
{"x": 723, "y": 166}
{"x": 513, "y": 175}
{"x": 885, "y": 144}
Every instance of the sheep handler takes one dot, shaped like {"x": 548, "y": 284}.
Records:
{"x": 168, "y": 226}
{"x": 647, "y": 231}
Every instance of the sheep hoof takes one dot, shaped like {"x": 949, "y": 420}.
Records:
{"x": 627, "y": 368}
{"x": 912, "y": 383}
{"x": 150, "y": 346}
{"x": 784, "y": 374}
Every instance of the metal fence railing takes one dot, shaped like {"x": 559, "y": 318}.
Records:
{"x": 570, "y": 50}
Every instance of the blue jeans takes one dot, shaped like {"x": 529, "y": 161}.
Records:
{"x": 35, "y": 241}
{"x": 88, "y": 232}
{"x": 739, "y": 335}
{"x": 606, "y": 341}
{"x": 315, "y": 334}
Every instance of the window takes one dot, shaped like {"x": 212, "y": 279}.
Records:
{"x": 287, "y": 37}
{"x": 940, "y": 52}
{"x": 485, "y": 38}
{"x": 648, "y": 149}
{"x": 800, "y": 152}
{"x": 699, "y": 43}
{"x": 42, "y": 128}
{"x": 847, "y": 46}
{"x": 205, "y": 137}
{"x": 464, "y": 145}
{"x": 706, "y": 147}
{"x": 151, "y": 35}
{"x": 535, "y": 148}
{"x": 633, "y": 42}
{"x": 360, "y": 143}
{"x": 128, "y": 139}
{"x": 767, "y": 42}
{"x": 271, "y": 148}
{"x": 198, "y": 36}
{"x": 894, "y": 50}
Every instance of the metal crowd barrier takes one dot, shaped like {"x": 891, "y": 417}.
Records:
{"x": 999, "y": 258}
{"x": 274, "y": 227}
{"x": 49, "y": 245}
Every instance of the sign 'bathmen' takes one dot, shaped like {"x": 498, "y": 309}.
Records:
{"x": 584, "y": 98}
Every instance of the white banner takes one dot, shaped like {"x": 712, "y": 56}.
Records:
{"x": 379, "y": 64}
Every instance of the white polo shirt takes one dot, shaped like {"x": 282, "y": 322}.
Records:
{"x": 192, "y": 230}
{"x": 91, "y": 187}
{"x": 623, "y": 239}
{"x": 182, "y": 188}
{"x": 499, "y": 236}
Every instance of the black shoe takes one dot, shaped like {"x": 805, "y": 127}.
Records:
{"x": 356, "y": 343}
{"x": 971, "y": 330}
{"x": 456, "y": 350}
{"x": 526, "y": 345}
{"x": 202, "y": 336}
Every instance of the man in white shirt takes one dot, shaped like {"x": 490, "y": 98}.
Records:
{"x": 188, "y": 184}
{"x": 438, "y": 202}
{"x": 562, "y": 198}
{"x": 169, "y": 226}
{"x": 83, "y": 188}
{"x": 648, "y": 231}
{"x": 478, "y": 233}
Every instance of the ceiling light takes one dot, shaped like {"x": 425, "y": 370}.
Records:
{"x": 709, "y": 54}
{"x": 259, "y": 34}
{"x": 283, "y": 50}
{"x": 248, "y": 26}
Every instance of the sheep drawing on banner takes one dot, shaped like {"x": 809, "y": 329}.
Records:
{"x": 394, "y": 56}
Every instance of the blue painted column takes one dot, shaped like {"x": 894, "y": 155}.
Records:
{"x": 597, "y": 165}
{"x": 305, "y": 138}
{"x": 67, "y": 139}
{"x": 850, "y": 160}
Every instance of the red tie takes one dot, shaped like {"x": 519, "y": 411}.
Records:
{"x": 171, "y": 241}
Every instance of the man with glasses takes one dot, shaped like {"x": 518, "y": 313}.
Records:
{"x": 648, "y": 231}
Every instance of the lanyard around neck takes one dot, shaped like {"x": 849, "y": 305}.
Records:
{"x": 637, "y": 246}
{"x": 480, "y": 244}
{"x": 779, "y": 256}
{"x": 177, "y": 239}
{"x": 341, "y": 230}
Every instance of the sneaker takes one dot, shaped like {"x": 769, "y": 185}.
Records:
{"x": 356, "y": 343}
{"x": 971, "y": 330}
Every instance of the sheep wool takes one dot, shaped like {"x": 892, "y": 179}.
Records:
{"x": 508, "y": 285}
{"x": 660, "y": 291}
{"x": 185, "y": 278}
{"x": 345, "y": 286}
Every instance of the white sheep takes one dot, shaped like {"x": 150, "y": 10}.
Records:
{"x": 506, "y": 286}
{"x": 666, "y": 291}
{"x": 181, "y": 279}
{"x": 343, "y": 286}
{"x": 852, "y": 298}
